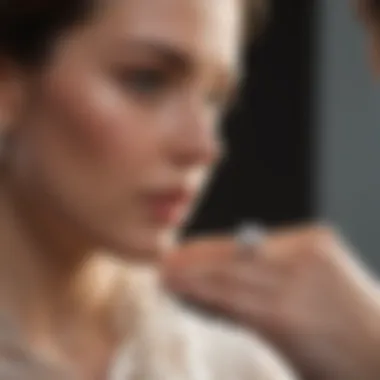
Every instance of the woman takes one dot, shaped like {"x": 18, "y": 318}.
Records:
{"x": 301, "y": 287}
{"x": 109, "y": 114}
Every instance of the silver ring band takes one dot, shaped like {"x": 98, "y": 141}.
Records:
{"x": 248, "y": 236}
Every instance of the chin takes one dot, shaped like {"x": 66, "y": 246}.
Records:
{"x": 142, "y": 245}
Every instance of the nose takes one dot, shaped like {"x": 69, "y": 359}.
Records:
{"x": 195, "y": 138}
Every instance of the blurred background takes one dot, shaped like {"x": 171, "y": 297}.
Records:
{"x": 303, "y": 139}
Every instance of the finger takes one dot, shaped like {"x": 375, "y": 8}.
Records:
{"x": 229, "y": 282}
{"x": 289, "y": 248}
{"x": 237, "y": 274}
{"x": 219, "y": 257}
{"x": 283, "y": 249}
{"x": 256, "y": 276}
{"x": 240, "y": 306}
{"x": 213, "y": 250}
{"x": 200, "y": 255}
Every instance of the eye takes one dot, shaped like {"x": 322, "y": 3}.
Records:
{"x": 144, "y": 81}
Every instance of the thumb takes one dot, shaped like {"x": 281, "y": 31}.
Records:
{"x": 199, "y": 253}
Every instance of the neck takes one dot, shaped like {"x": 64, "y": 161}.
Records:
{"x": 66, "y": 296}
{"x": 49, "y": 275}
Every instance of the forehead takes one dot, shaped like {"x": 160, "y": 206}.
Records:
{"x": 207, "y": 30}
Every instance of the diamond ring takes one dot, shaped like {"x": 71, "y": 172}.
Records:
{"x": 249, "y": 236}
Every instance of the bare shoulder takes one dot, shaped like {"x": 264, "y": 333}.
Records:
{"x": 231, "y": 352}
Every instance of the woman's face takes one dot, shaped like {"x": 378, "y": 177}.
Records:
{"x": 120, "y": 129}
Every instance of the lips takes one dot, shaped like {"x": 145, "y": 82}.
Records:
{"x": 168, "y": 206}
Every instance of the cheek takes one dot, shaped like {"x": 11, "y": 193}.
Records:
{"x": 102, "y": 125}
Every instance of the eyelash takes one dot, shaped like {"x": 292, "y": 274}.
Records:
{"x": 152, "y": 82}
{"x": 147, "y": 82}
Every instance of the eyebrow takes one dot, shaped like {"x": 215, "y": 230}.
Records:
{"x": 180, "y": 61}
{"x": 176, "y": 58}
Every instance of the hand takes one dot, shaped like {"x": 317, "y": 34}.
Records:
{"x": 301, "y": 289}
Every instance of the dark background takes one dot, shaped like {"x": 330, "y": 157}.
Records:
{"x": 268, "y": 174}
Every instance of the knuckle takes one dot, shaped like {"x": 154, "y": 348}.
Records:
{"x": 319, "y": 241}
{"x": 321, "y": 237}
{"x": 323, "y": 232}
{"x": 308, "y": 244}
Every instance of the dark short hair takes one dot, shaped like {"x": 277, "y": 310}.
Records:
{"x": 29, "y": 27}
{"x": 374, "y": 4}
{"x": 369, "y": 10}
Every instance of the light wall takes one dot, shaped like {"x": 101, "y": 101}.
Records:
{"x": 347, "y": 110}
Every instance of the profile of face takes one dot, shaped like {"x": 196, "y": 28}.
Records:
{"x": 120, "y": 128}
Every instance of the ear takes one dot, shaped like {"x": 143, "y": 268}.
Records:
{"x": 12, "y": 91}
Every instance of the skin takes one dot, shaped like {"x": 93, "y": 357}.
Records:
{"x": 89, "y": 142}
{"x": 303, "y": 288}
{"x": 127, "y": 105}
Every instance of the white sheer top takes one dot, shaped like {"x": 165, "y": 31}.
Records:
{"x": 162, "y": 341}
{"x": 170, "y": 343}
